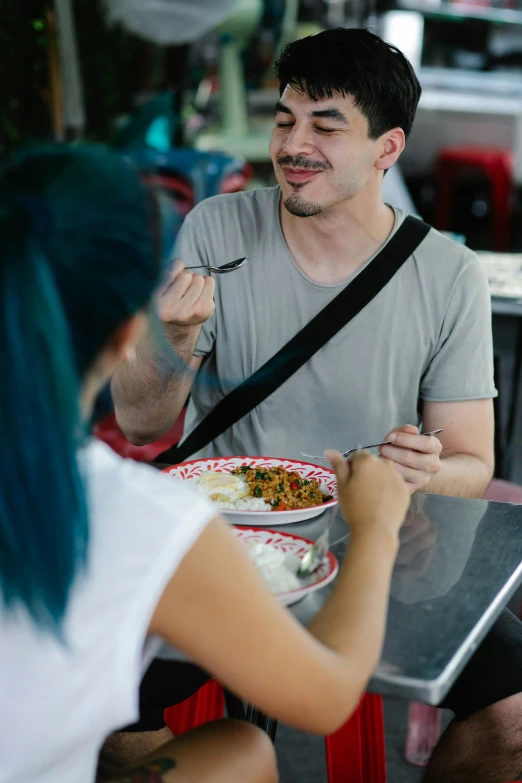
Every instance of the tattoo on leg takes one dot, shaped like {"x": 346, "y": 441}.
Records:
{"x": 149, "y": 773}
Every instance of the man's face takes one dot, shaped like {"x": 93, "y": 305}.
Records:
{"x": 321, "y": 151}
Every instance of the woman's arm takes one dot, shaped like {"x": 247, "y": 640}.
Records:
{"x": 218, "y": 611}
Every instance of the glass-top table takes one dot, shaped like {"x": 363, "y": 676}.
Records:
{"x": 459, "y": 563}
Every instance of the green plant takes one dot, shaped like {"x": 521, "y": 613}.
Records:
{"x": 107, "y": 64}
{"x": 24, "y": 42}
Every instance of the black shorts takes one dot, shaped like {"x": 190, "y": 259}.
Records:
{"x": 165, "y": 684}
{"x": 493, "y": 673}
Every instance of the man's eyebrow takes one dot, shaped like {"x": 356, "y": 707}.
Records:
{"x": 330, "y": 114}
{"x": 280, "y": 107}
{"x": 325, "y": 114}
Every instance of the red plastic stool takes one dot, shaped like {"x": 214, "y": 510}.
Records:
{"x": 497, "y": 165}
{"x": 206, "y": 705}
{"x": 356, "y": 753}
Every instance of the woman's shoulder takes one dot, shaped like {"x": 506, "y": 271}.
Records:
{"x": 101, "y": 464}
{"x": 139, "y": 499}
{"x": 141, "y": 525}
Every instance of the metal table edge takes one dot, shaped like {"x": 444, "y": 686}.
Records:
{"x": 433, "y": 691}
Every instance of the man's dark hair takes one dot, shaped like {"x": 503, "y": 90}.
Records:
{"x": 354, "y": 62}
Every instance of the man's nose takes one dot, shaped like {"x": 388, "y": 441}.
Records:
{"x": 298, "y": 142}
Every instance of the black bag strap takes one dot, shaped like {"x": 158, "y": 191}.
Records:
{"x": 297, "y": 351}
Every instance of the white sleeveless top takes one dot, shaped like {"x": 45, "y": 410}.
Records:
{"x": 58, "y": 702}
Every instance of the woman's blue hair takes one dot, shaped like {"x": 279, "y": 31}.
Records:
{"x": 80, "y": 253}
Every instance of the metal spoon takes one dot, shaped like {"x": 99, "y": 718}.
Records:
{"x": 222, "y": 270}
{"x": 315, "y": 555}
{"x": 371, "y": 446}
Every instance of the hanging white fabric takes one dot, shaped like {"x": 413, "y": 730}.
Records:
{"x": 73, "y": 105}
{"x": 169, "y": 22}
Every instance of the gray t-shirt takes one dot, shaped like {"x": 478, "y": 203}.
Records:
{"x": 426, "y": 336}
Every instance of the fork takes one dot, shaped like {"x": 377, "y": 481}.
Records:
{"x": 371, "y": 446}
{"x": 315, "y": 555}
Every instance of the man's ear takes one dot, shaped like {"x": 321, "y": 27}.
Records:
{"x": 392, "y": 145}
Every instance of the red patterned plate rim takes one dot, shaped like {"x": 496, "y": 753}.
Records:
{"x": 296, "y": 462}
{"x": 330, "y": 557}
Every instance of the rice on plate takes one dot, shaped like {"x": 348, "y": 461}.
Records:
{"x": 261, "y": 490}
{"x": 277, "y": 556}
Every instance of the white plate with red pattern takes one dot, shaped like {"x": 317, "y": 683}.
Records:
{"x": 306, "y": 470}
{"x": 295, "y": 548}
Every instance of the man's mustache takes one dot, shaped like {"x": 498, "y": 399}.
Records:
{"x": 303, "y": 163}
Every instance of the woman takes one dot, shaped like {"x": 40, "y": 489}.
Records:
{"x": 99, "y": 556}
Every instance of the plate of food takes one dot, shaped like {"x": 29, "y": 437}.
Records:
{"x": 261, "y": 490}
{"x": 277, "y": 556}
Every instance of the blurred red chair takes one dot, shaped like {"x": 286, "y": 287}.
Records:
{"x": 177, "y": 187}
{"x": 356, "y": 753}
{"x": 108, "y": 431}
{"x": 497, "y": 165}
{"x": 191, "y": 175}
{"x": 180, "y": 189}
{"x": 204, "y": 706}
{"x": 238, "y": 180}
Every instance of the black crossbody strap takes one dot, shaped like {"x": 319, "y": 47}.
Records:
{"x": 297, "y": 351}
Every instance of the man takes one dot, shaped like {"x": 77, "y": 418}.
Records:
{"x": 420, "y": 352}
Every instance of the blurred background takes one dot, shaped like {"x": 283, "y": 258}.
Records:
{"x": 164, "y": 75}
{"x": 185, "y": 89}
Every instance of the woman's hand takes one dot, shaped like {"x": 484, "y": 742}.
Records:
{"x": 371, "y": 492}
